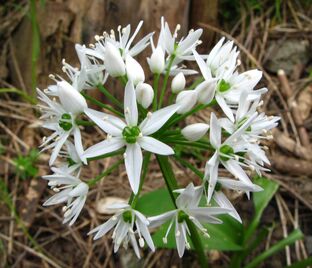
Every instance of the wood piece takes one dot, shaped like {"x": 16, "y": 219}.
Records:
{"x": 290, "y": 165}
{"x": 288, "y": 144}
{"x": 293, "y": 106}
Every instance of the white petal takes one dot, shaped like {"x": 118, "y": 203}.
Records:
{"x": 58, "y": 146}
{"x": 233, "y": 167}
{"x": 131, "y": 109}
{"x": 58, "y": 198}
{"x": 154, "y": 122}
{"x": 104, "y": 147}
{"x": 180, "y": 241}
{"x": 158, "y": 220}
{"x": 225, "y": 108}
{"x": 215, "y": 131}
{"x": 155, "y": 146}
{"x": 133, "y": 162}
{"x": 213, "y": 166}
{"x": 78, "y": 142}
{"x": 202, "y": 66}
{"x": 224, "y": 202}
{"x": 146, "y": 234}
{"x": 103, "y": 228}
{"x": 110, "y": 124}
{"x": 81, "y": 189}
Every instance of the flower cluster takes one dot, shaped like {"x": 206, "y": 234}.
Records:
{"x": 141, "y": 125}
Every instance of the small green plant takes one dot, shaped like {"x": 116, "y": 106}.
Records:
{"x": 26, "y": 165}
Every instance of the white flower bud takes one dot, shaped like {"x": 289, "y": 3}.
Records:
{"x": 206, "y": 91}
{"x": 113, "y": 61}
{"x": 195, "y": 132}
{"x": 70, "y": 98}
{"x": 135, "y": 71}
{"x": 178, "y": 83}
{"x": 186, "y": 100}
{"x": 157, "y": 61}
{"x": 144, "y": 94}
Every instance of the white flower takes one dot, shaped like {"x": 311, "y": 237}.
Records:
{"x": 187, "y": 208}
{"x": 113, "y": 61}
{"x": 124, "y": 222}
{"x": 183, "y": 49}
{"x": 195, "y": 132}
{"x": 186, "y": 100}
{"x": 74, "y": 193}
{"x": 226, "y": 154}
{"x": 91, "y": 72}
{"x": 131, "y": 135}
{"x": 60, "y": 118}
{"x": 135, "y": 71}
{"x": 157, "y": 60}
{"x": 206, "y": 91}
{"x": 144, "y": 94}
{"x": 178, "y": 83}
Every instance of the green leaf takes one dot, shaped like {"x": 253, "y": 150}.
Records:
{"x": 301, "y": 264}
{"x": 223, "y": 236}
{"x": 26, "y": 165}
{"x": 260, "y": 200}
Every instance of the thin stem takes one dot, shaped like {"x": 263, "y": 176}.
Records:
{"x": 164, "y": 86}
{"x": 155, "y": 87}
{"x": 171, "y": 98}
{"x": 123, "y": 80}
{"x": 29, "y": 99}
{"x": 196, "y": 83}
{"x": 134, "y": 198}
{"x": 84, "y": 123}
{"x": 93, "y": 181}
{"x": 171, "y": 183}
{"x": 102, "y": 105}
{"x": 189, "y": 166}
{"x": 110, "y": 96}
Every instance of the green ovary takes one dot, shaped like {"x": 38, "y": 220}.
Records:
{"x": 130, "y": 134}
{"x": 226, "y": 152}
{"x": 65, "y": 122}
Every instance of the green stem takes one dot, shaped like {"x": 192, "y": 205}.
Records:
{"x": 102, "y": 105}
{"x": 171, "y": 98}
{"x": 123, "y": 79}
{"x": 29, "y": 99}
{"x": 189, "y": 166}
{"x": 164, "y": 86}
{"x": 196, "y": 83}
{"x": 134, "y": 198}
{"x": 196, "y": 144}
{"x": 84, "y": 123}
{"x": 292, "y": 238}
{"x": 171, "y": 183}
{"x": 109, "y": 96}
{"x": 155, "y": 87}
{"x": 93, "y": 181}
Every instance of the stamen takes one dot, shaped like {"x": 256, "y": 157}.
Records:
{"x": 141, "y": 242}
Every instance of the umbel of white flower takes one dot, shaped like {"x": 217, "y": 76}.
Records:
{"x": 130, "y": 134}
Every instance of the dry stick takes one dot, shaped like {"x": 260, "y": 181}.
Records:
{"x": 14, "y": 137}
{"x": 284, "y": 226}
{"x": 293, "y": 106}
{"x": 258, "y": 65}
{"x": 296, "y": 226}
{"x": 32, "y": 251}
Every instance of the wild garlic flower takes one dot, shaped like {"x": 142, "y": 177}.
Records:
{"x": 227, "y": 153}
{"x": 73, "y": 192}
{"x": 131, "y": 135}
{"x": 187, "y": 209}
{"x": 60, "y": 118}
{"x": 127, "y": 222}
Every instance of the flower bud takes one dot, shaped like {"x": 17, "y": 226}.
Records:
{"x": 178, "y": 83}
{"x": 135, "y": 71}
{"x": 70, "y": 98}
{"x": 186, "y": 100}
{"x": 195, "y": 132}
{"x": 144, "y": 94}
{"x": 157, "y": 61}
{"x": 113, "y": 61}
{"x": 205, "y": 91}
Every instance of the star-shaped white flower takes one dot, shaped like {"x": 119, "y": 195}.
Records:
{"x": 131, "y": 135}
{"x": 124, "y": 222}
{"x": 60, "y": 118}
{"x": 187, "y": 208}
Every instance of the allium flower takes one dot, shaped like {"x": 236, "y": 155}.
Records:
{"x": 157, "y": 60}
{"x": 144, "y": 94}
{"x": 178, "y": 83}
{"x": 131, "y": 135}
{"x": 124, "y": 222}
{"x": 135, "y": 72}
{"x": 187, "y": 208}
{"x": 60, "y": 118}
{"x": 226, "y": 153}
{"x": 183, "y": 49}
{"x": 114, "y": 63}
{"x": 195, "y": 131}
{"x": 73, "y": 192}
{"x": 186, "y": 100}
